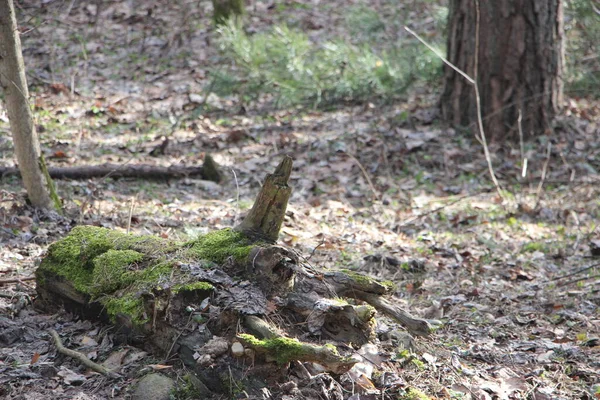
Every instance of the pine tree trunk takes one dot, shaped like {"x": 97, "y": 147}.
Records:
{"x": 14, "y": 84}
{"x": 518, "y": 65}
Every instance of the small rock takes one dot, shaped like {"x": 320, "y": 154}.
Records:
{"x": 155, "y": 387}
{"x": 237, "y": 349}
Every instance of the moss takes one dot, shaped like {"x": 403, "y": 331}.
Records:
{"x": 129, "y": 305}
{"x": 283, "y": 349}
{"x": 364, "y": 280}
{"x": 414, "y": 394}
{"x": 110, "y": 271}
{"x": 87, "y": 248}
{"x": 218, "y": 245}
{"x": 114, "y": 268}
{"x": 189, "y": 287}
{"x": 99, "y": 261}
{"x": 533, "y": 247}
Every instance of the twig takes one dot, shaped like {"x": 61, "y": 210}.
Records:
{"x": 82, "y": 358}
{"x": 237, "y": 199}
{"x": 364, "y": 171}
{"x": 312, "y": 253}
{"x": 585, "y": 278}
{"x": 521, "y": 144}
{"x": 477, "y": 103}
{"x": 576, "y": 272}
{"x": 132, "y": 205}
{"x": 544, "y": 170}
{"x": 16, "y": 280}
{"x": 433, "y": 211}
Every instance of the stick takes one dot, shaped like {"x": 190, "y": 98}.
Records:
{"x": 585, "y": 278}
{"x": 364, "y": 171}
{"x": 477, "y": 103}
{"x": 580, "y": 270}
{"x": 131, "y": 206}
{"x": 433, "y": 211}
{"x": 544, "y": 170}
{"x": 521, "y": 145}
{"x": 82, "y": 358}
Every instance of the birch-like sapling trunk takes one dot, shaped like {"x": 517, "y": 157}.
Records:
{"x": 14, "y": 84}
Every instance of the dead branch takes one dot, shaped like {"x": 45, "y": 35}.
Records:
{"x": 82, "y": 358}
{"x": 149, "y": 172}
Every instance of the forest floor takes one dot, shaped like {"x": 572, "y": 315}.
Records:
{"x": 384, "y": 189}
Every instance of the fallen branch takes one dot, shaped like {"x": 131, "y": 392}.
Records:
{"x": 416, "y": 326}
{"x": 82, "y": 358}
{"x": 118, "y": 171}
{"x": 580, "y": 270}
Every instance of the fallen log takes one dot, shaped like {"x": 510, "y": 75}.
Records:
{"x": 191, "y": 299}
{"x": 208, "y": 171}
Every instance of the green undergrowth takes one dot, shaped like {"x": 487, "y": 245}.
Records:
{"x": 583, "y": 35}
{"x": 116, "y": 268}
{"x": 292, "y": 70}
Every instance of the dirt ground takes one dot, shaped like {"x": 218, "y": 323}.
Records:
{"x": 514, "y": 279}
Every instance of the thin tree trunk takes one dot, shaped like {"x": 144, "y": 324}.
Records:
{"x": 14, "y": 84}
{"x": 516, "y": 58}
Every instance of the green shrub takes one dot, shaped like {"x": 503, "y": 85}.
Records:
{"x": 582, "y": 27}
{"x": 291, "y": 70}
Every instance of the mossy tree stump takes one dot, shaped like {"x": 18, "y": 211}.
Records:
{"x": 192, "y": 299}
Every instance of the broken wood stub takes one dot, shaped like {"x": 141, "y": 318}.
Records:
{"x": 264, "y": 220}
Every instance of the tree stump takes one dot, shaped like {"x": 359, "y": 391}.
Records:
{"x": 212, "y": 301}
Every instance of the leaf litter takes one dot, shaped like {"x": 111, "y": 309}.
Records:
{"x": 378, "y": 188}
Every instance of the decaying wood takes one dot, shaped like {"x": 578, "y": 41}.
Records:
{"x": 116, "y": 171}
{"x": 266, "y": 216}
{"x": 246, "y": 284}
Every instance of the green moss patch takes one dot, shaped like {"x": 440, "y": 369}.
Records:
{"x": 365, "y": 280}
{"x": 191, "y": 287}
{"x": 115, "y": 268}
{"x": 284, "y": 349}
{"x": 218, "y": 245}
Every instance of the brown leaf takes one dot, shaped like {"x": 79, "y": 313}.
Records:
{"x": 34, "y": 358}
{"x": 160, "y": 367}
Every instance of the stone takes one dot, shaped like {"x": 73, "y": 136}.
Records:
{"x": 155, "y": 387}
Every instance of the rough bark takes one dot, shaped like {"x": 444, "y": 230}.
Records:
{"x": 517, "y": 59}
{"x": 14, "y": 85}
{"x": 191, "y": 299}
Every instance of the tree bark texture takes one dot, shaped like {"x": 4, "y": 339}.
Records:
{"x": 514, "y": 50}
{"x": 14, "y": 84}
